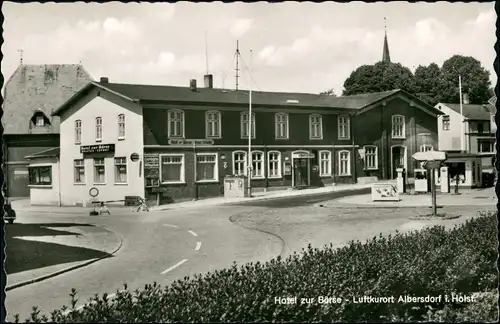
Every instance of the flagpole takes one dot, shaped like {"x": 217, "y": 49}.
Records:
{"x": 462, "y": 127}
{"x": 250, "y": 130}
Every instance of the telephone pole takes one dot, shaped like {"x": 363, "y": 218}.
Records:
{"x": 237, "y": 63}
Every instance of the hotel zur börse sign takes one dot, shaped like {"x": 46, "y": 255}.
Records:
{"x": 101, "y": 148}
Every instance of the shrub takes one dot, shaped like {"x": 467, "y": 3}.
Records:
{"x": 432, "y": 262}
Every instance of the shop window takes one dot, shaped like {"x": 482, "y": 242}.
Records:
{"x": 40, "y": 175}
{"x": 206, "y": 167}
{"x": 99, "y": 171}
{"x": 152, "y": 183}
{"x": 172, "y": 168}
{"x": 79, "y": 171}
{"x": 120, "y": 170}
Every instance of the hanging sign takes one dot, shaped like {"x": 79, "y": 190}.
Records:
{"x": 100, "y": 148}
{"x": 134, "y": 157}
{"x": 302, "y": 155}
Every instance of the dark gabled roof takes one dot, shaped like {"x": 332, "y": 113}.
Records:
{"x": 474, "y": 112}
{"x": 145, "y": 94}
{"x": 52, "y": 152}
{"x": 39, "y": 88}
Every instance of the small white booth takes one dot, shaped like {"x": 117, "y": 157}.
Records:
{"x": 235, "y": 187}
{"x": 44, "y": 179}
{"x": 467, "y": 168}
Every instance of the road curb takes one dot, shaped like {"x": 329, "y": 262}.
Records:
{"x": 68, "y": 269}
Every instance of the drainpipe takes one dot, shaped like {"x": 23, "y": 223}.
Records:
{"x": 58, "y": 160}
{"x": 266, "y": 173}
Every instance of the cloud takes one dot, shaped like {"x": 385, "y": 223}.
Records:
{"x": 113, "y": 26}
{"x": 239, "y": 27}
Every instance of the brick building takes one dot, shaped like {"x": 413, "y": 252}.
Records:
{"x": 31, "y": 94}
{"x": 187, "y": 139}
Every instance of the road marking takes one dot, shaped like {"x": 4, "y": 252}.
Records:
{"x": 198, "y": 246}
{"x": 193, "y": 233}
{"x": 174, "y": 266}
{"x": 168, "y": 225}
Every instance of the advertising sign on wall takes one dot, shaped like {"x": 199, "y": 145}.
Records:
{"x": 152, "y": 166}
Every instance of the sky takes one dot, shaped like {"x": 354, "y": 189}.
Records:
{"x": 289, "y": 47}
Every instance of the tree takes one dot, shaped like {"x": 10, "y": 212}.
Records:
{"x": 382, "y": 76}
{"x": 329, "y": 92}
{"x": 427, "y": 82}
{"x": 475, "y": 80}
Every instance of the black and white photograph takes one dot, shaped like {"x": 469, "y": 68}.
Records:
{"x": 260, "y": 162}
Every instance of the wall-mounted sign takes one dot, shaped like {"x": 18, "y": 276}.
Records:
{"x": 134, "y": 157}
{"x": 159, "y": 189}
{"x": 152, "y": 166}
{"x": 190, "y": 142}
{"x": 100, "y": 148}
{"x": 288, "y": 169}
{"x": 302, "y": 155}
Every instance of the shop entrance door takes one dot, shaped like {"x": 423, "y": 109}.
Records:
{"x": 301, "y": 172}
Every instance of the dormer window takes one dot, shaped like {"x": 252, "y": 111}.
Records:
{"x": 39, "y": 119}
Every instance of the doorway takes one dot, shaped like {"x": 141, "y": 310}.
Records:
{"x": 301, "y": 172}
{"x": 398, "y": 159}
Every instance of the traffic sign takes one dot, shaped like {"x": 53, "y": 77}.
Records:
{"x": 430, "y": 156}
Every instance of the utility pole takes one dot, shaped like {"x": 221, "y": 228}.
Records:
{"x": 250, "y": 132}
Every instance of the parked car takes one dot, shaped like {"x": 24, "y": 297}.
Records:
{"x": 10, "y": 214}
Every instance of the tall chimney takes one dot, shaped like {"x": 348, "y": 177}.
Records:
{"x": 209, "y": 81}
{"x": 192, "y": 84}
{"x": 465, "y": 98}
{"x": 104, "y": 80}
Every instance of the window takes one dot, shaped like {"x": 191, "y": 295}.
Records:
{"x": 40, "y": 121}
{"x": 40, "y": 175}
{"x": 371, "y": 158}
{"x": 446, "y": 123}
{"x": 273, "y": 164}
{"x": 213, "y": 121}
{"x": 315, "y": 127}
{"x": 121, "y": 126}
{"x": 151, "y": 182}
{"x": 281, "y": 121}
{"x": 78, "y": 131}
{"x": 398, "y": 126}
{"x": 120, "y": 170}
{"x": 98, "y": 129}
{"x": 99, "y": 171}
{"x": 244, "y": 125}
{"x": 172, "y": 168}
{"x": 485, "y": 145}
{"x": 175, "y": 123}
{"x": 257, "y": 165}
{"x": 343, "y": 127}
{"x": 239, "y": 163}
{"x": 206, "y": 167}
{"x": 79, "y": 171}
{"x": 426, "y": 148}
{"x": 325, "y": 163}
{"x": 344, "y": 163}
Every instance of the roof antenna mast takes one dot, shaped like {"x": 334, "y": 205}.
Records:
{"x": 237, "y": 63}
{"x": 20, "y": 51}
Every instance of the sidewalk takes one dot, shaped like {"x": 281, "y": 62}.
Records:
{"x": 24, "y": 204}
{"x": 470, "y": 197}
{"x": 104, "y": 242}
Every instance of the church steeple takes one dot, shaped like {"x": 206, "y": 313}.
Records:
{"x": 385, "y": 54}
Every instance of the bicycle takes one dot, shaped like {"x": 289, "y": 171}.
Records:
{"x": 142, "y": 205}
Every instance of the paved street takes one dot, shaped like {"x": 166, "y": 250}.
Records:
{"x": 168, "y": 245}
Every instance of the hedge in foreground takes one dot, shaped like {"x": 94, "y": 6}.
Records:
{"x": 432, "y": 262}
